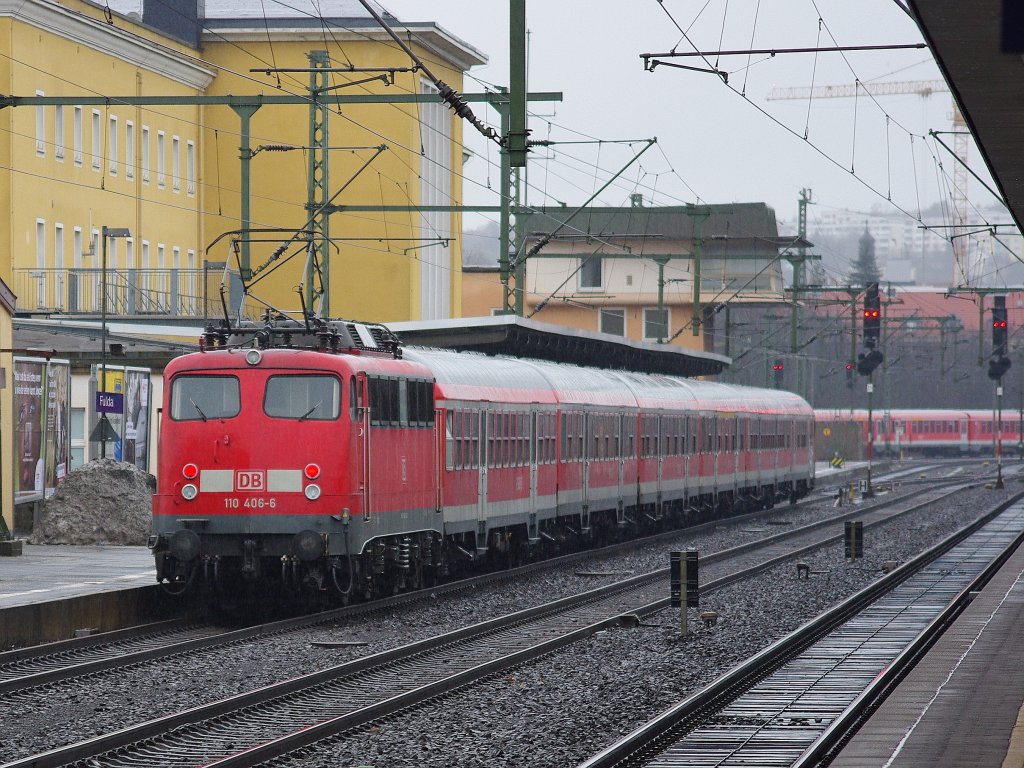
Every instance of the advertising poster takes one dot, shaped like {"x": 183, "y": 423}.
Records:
{"x": 110, "y": 401}
{"x": 28, "y": 437}
{"x": 58, "y": 423}
{"x": 136, "y": 417}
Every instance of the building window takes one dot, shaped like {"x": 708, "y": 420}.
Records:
{"x": 58, "y": 265}
{"x": 161, "y": 159}
{"x": 97, "y": 137}
{"x": 176, "y": 164}
{"x": 112, "y": 154}
{"x": 655, "y": 324}
{"x": 145, "y": 255}
{"x": 145, "y": 154}
{"x": 78, "y": 135}
{"x": 58, "y": 132}
{"x": 612, "y": 321}
{"x": 129, "y": 149}
{"x": 40, "y": 128}
{"x": 590, "y": 272}
{"x": 77, "y": 437}
{"x": 77, "y": 256}
{"x": 190, "y": 167}
{"x": 41, "y": 263}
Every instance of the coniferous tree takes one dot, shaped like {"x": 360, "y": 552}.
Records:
{"x": 865, "y": 269}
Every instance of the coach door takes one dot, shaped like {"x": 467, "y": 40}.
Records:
{"x": 486, "y": 455}
{"x": 360, "y": 411}
{"x": 586, "y": 424}
{"x": 532, "y": 441}
{"x": 620, "y": 455}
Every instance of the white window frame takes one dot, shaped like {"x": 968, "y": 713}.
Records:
{"x": 41, "y": 263}
{"x": 58, "y": 265}
{"x": 190, "y": 168}
{"x": 145, "y": 154}
{"x": 40, "y": 128}
{"x": 600, "y": 320}
{"x": 58, "y": 132}
{"x": 145, "y": 255}
{"x": 77, "y": 248}
{"x": 112, "y": 149}
{"x": 175, "y": 164}
{"x": 129, "y": 149}
{"x": 97, "y": 140}
{"x": 668, "y": 322}
{"x": 161, "y": 159}
{"x": 78, "y": 142}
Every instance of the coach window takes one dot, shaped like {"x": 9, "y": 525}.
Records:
{"x": 403, "y": 403}
{"x": 449, "y": 442}
{"x": 199, "y": 398}
{"x": 312, "y": 398}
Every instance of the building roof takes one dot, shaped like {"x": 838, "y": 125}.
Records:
{"x": 978, "y": 47}
{"x": 750, "y": 226}
{"x": 924, "y": 307}
{"x": 335, "y": 20}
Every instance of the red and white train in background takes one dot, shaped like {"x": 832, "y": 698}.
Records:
{"x": 935, "y": 432}
{"x": 330, "y": 457}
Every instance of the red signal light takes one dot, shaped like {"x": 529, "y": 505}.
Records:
{"x": 312, "y": 471}
{"x": 190, "y": 471}
{"x": 998, "y": 323}
{"x": 849, "y": 366}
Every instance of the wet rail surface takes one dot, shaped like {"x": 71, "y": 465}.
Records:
{"x": 261, "y": 724}
{"x": 790, "y": 715}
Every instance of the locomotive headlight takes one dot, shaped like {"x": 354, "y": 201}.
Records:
{"x": 189, "y": 491}
{"x": 190, "y": 471}
{"x": 312, "y": 492}
{"x": 253, "y": 356}
{"x": 312, "y": 471}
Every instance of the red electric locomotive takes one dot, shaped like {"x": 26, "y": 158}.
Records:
{"x": 324, "y": 455}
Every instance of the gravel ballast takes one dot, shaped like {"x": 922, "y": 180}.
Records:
{"x": 554, "y": 712}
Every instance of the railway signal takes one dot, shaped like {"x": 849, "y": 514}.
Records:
{"x": 849, "y": 375}
{"x": 999, "y": 364}
{"x": 779, "y": 370}
{"x": 872, "y": 316}
{"x": 999, "y": 327}
{"x": 868, "y": 361}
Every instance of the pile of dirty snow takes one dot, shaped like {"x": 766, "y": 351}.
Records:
{"x": 102, "y": 502}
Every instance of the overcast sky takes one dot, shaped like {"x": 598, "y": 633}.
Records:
{"x": 715, "y": 145}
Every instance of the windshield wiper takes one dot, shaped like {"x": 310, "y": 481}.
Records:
{"x": 198, "y": 409}
{"x": 303, "y": 416}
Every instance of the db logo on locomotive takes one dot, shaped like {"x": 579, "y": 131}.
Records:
{"x": 249, "y": 480}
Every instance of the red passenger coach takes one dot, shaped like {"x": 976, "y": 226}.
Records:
{"x": 326, "y": 456}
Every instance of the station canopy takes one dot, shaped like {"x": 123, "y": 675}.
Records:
{"x": 518, "y": 337}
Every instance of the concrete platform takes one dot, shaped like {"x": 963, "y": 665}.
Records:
{"x": 963, "y": 705}
{"x": 51, "y": 591}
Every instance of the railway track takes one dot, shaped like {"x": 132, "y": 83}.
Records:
{"x": 53, "y": 663}
{"x": 258, "y": 725}
{"x": 796, "y": 701}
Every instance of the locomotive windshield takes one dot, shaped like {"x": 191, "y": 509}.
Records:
{"x": 303, "y": 397}
{"x": 198, "y": 398}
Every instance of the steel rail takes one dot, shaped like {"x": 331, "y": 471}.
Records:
{"x": 342, "y": 675}
{"x": 57, "y": 662}
{"x": 655, "y": 737}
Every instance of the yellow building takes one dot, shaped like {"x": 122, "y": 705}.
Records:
{"x": 6, "y": 406}
{"x": 119, "y": 122}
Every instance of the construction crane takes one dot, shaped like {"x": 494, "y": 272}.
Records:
{"x": 924, "y": 89}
